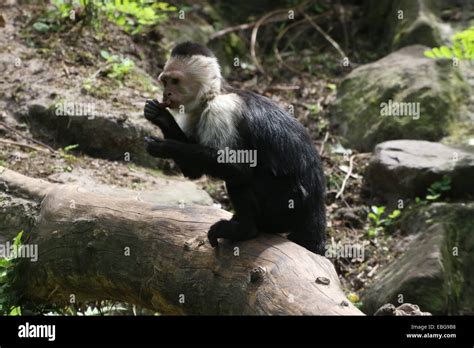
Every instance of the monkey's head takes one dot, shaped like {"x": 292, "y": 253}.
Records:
{"x": 191, "y": 76}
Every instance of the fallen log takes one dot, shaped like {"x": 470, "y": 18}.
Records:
{"x": 114, "y": 246}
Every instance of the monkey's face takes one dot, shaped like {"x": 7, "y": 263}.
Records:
{"x": 178, "y": 87}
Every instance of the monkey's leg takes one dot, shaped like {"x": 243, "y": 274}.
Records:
{"x": 309, "y": 232}
{"x": 242, "y": 225}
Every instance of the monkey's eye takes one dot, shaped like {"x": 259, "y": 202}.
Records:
{"x": 163, "y": 82}
{"x": 174, "y": 81}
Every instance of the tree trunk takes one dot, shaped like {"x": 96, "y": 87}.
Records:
{"x": 114, "y": 246}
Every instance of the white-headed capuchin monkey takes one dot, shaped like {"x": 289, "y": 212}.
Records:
{"x": 283, "y": 192}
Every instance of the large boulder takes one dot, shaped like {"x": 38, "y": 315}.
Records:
{"x": 406, "y": 169}
{"x": 401, "y": 23}
{"x": 437, "y": 270}
{"x": 401, "y": 96}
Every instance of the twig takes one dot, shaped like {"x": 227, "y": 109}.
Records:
{"x": 342, "y": 19}
{"x": 222, "y": 32}
{"x": 4, "y": 125}
{"x": 277, "y": 52}
{"x": 253, "y": 38}
{"x": 372, "y": 271}
{"x": 243, "y": 26}
{"x": 349, "y": 172}
{"x": 321, "y": 150}
{"x": 280, "y": 36}
{"x": 9, "y": 142}
{"x": 282, "y": 88}
{"x": 326, "y": 36}
{"x": 66, "y": 71}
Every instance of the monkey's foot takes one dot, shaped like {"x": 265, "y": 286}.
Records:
{"x": 231, "y": 229}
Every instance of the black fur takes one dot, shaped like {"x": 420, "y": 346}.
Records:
{"x": 188, "y": 49}
{"x": 288, "y": 169}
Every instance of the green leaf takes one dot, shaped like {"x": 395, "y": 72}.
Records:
{"x": 318, "y": 8}
{"x": 372, "y": 233}
{"x": 17, "y": 240}
{"x": 104, "y": 54}
{"x": 429, "y": 54}
{"x": 4, "y": 263}
{"x": 433, "y": 197}
{"x": 70, "y": 147}
{"x": 15, "y": 311}
{"x": 377, "y": 210}
{"x": 121, "y": 21}
{"x": 332, "y": 86}
{"x": 41, "y": 27}
{"x": 446, "y": 51}
{"x": 396, "y": 213}
{"x": 437, "y": 52}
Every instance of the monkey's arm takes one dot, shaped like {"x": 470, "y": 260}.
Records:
{"x": 202, "y": 158}
{"x": 157, "y": 114}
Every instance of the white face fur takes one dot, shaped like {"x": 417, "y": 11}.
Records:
{"x": 189, "y": 80}
{"x": 209, "y": 116}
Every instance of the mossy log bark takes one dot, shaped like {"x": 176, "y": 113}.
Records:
{"x": 101, "y": 247}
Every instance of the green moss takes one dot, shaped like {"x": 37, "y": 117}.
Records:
{"x": 99, "y": 89}
{"x": 459, "y": 222}
{"x": 457, "y": 253}
{"x": 140, "y": 80}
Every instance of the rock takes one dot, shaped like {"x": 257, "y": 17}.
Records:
{"x": 13, "y": 211}
{"x": 104, "y": 133}
{"x": 406, "y": 168}
{"x": 402, "y": 310}
{"x": 401, "y": 23}
{"x": 401, "y": 96}
{"x": 437, "y": 270}
{"x": 354, "y": 217}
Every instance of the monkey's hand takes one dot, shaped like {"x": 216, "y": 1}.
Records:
{"x": 158, "y": 147}
{"x": 157, "y": 113}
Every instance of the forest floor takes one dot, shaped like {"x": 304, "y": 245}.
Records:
{"x": 69, "y": 57}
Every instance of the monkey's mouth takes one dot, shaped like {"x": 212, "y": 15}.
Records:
{"x": 165, "y": 103}
{"x": 168, "y": 103}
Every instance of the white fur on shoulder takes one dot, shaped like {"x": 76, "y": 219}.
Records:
{"x": 217, "y": 127}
